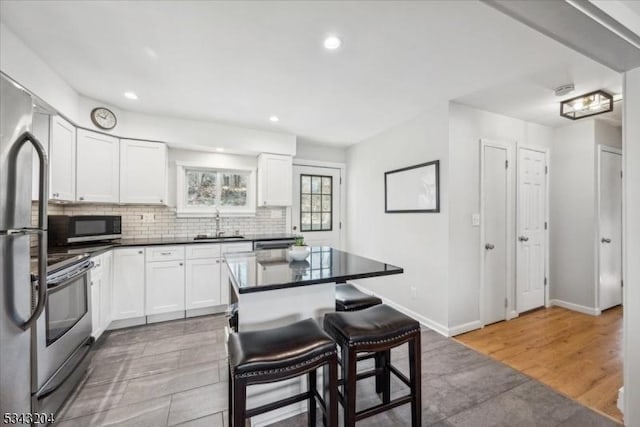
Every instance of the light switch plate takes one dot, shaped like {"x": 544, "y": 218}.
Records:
{"x": 475, "y": 219}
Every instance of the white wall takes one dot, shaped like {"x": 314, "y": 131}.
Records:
{"x": 19, "y": 62}
{"x": 608, "y": 134}
{"x": 28, "y": 69}
{"x": 631, "y": 251}
{"x": 311, "y": 150}
{"x": 417, "y": 242}
{"x": 572, "y": 217}
{"x": 466, "y": 127}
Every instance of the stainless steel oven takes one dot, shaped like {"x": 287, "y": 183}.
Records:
{"x": 62, "y": 336}
{"x": 65, "y": 229}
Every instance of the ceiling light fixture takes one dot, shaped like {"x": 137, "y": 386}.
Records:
{"x": 130, "y": 95}
{"x": 274, "y": 119}
{"x": 589, "y": 104}
{"x": 332, "y": 42}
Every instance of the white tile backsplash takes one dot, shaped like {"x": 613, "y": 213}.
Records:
{"x": 142, "y": 221}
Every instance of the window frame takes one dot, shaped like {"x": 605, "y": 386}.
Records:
{"x": 184, "y": 210}
{"x": 310, "y": 194}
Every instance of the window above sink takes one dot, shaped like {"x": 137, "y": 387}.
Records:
{"x": 204, "y": 191}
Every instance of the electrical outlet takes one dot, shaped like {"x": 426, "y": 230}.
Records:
{"x": 475, "y": 219}
{"x": 414, "y": 292}
{"x": 147, "y": 218}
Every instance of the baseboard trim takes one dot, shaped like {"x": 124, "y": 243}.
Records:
{"x": 620, "y": 403}
{"x": 576, "y": 307}
{"x": 126, "y": 323}
{"x": 465, "y": 327}
{"x": 439, "y": 328}
{"x": 218, "y": 309}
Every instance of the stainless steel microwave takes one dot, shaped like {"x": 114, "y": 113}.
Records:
{"x": 65, "y": 229}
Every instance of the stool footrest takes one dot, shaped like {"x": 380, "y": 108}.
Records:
{"x": 279, "y": 404}
{"x": 382, "y": 407}
{"x": 402, "y": 377}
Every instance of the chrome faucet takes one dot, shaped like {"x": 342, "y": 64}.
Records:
{"x": 218, "y": 232}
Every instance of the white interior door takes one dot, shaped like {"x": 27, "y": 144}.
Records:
{"x": 495, "y": 210}
{"x": 531, "y": 218}
{"x": 610, "y": 239}
{"x": 316, "y": 205}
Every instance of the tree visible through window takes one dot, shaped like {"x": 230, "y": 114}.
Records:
{"x": 216, "y": 188}
{"x": 316, "y": 204}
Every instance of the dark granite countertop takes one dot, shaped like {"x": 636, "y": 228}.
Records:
{"x": 95, "y": 249}
{"x": 270, "y": 269}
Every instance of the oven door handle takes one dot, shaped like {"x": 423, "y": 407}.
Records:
{"x": 53, "y": 286}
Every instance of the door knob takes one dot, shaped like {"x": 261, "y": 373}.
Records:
{"x": 295, "y": 228}
{"x": 489, "y": 246}
{"x": 605, "y": 240}
{"x": 523, "y": 238}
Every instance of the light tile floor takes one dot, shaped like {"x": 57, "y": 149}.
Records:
{"x": 175, "y": 373}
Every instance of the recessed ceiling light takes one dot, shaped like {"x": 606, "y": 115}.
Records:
{"x": 274, "y": 119}
{"x": 332, "y": 42}
{"x": 130, "y": 95}
{"x": 219, "y": 149}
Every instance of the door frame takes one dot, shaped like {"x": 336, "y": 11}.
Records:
{"x": 547, "y": 189}
{"x": 342, "y": 167}
{"x": 614, "y": 150}
{"x": 510, "y": 286}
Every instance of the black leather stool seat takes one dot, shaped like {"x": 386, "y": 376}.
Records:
{"x": 349, "y": 298}
{"x": 379, "y": 323}
{"x": 278, "y": 348}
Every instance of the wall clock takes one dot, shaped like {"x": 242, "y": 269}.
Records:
{"x": 103, "y": 118}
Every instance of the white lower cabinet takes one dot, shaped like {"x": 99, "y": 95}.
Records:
{"x": 202, "y": 286}
{"x": 101, "y": 284}
{"x": 128, "y": 283}
{"x": 165, "y": 287}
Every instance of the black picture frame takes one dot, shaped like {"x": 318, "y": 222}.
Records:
{"x": 435, "y": 165}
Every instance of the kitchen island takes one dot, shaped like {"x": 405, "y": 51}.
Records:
{"x": 268, "y": 290}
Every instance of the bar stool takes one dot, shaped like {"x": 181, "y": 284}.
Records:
{"x": 349, "y": 298}
{"x": 376, "y": 329}
{"x": 272, "y": 355}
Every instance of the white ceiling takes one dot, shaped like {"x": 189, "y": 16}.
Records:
{"x": 241, "y": 62}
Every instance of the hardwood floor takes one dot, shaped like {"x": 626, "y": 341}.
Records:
{"x": 578, "y": 355}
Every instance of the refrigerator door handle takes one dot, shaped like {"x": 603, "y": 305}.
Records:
{"x": 42, "y": 217}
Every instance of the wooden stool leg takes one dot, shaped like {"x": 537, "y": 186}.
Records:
{"x": 311, "y": 402}
{"x": 386, "y": 376}
{"x": 239, "y": 402}
{"x": 415, "y": 378}
{"x": 332, "y": 406}
{"x": 230, "y": 395}
{"x": 349, "y": 373}
{"x": 379, "y": 358}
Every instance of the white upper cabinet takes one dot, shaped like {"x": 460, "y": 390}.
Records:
{"x": 98, "y": 167}
{"x": 62, "y": 160}
{"x": 274, "y": 180}
{"x": 143, "y": 172}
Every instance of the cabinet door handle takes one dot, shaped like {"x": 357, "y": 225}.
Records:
{"x": 161, "y": 201}
{"x": 180, "y": 264}
{"x": 140, "y": 252}
{"x": 489, "y": 246}
{"x": 605, "y": 240}
{"x": 80, "y": 198}
{"x": 217, "y": 261}
{"x": 523, "y": 238}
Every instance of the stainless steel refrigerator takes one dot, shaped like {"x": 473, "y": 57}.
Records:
{"x": 21, "y": 303}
